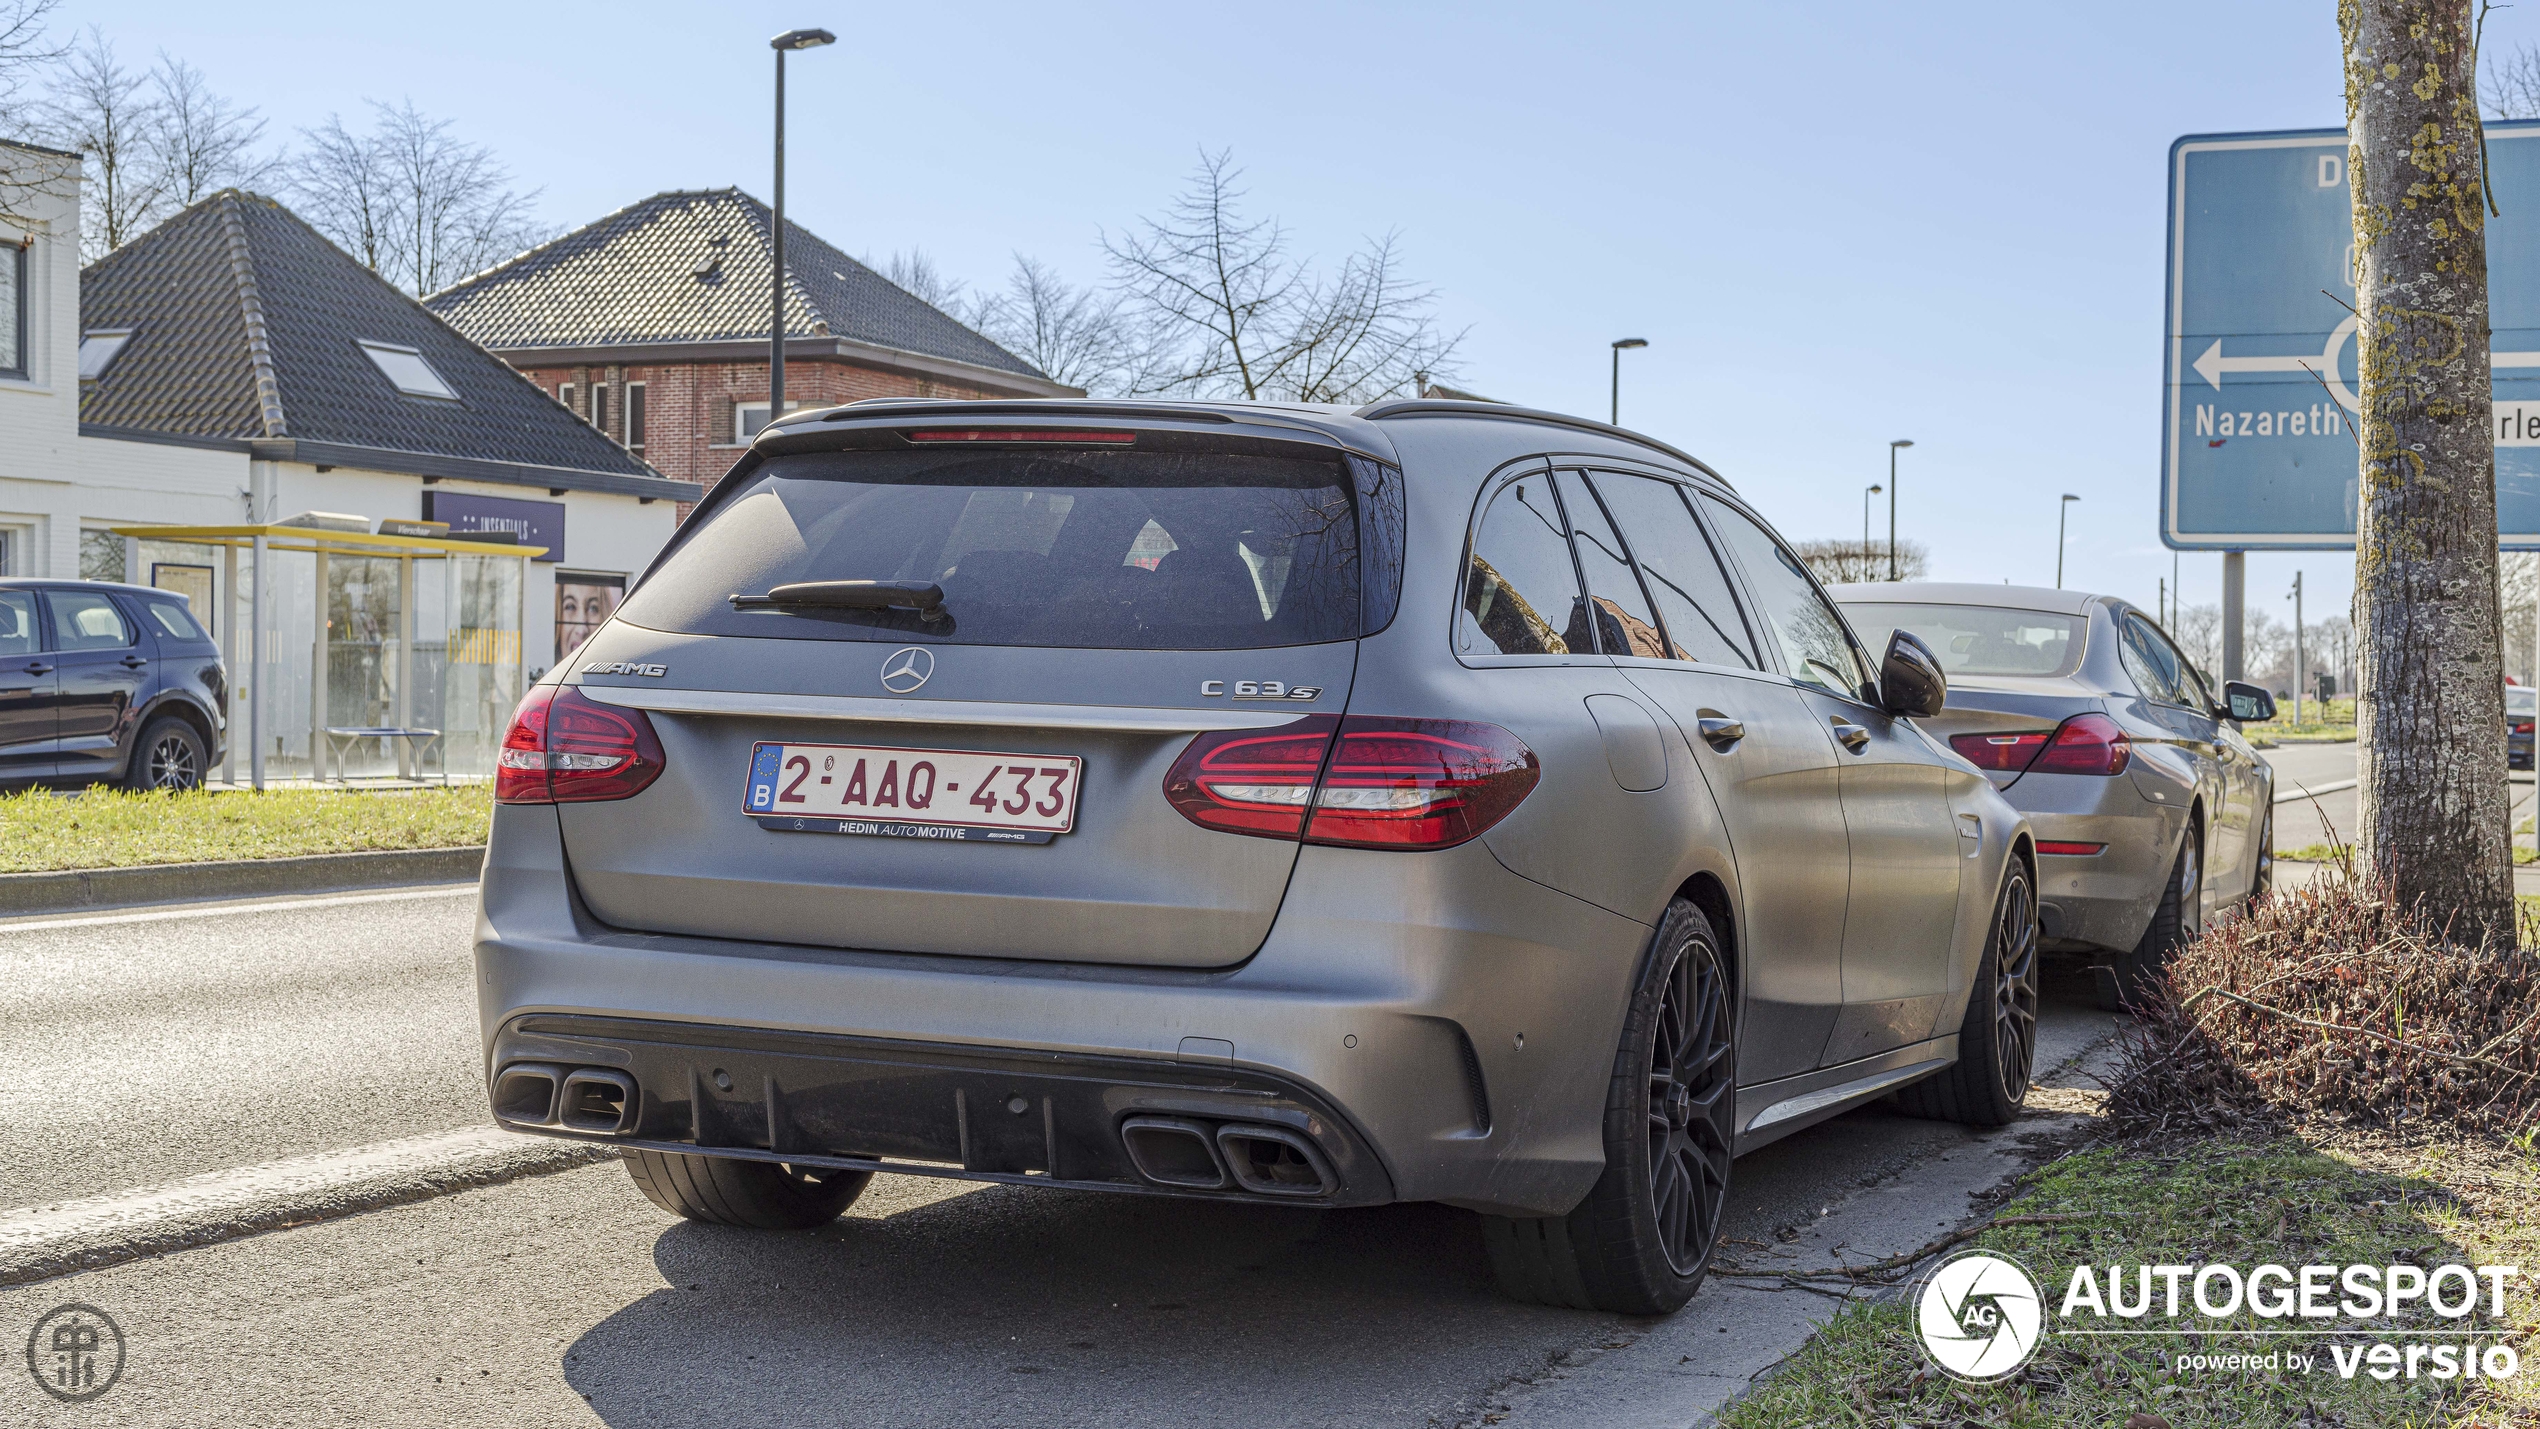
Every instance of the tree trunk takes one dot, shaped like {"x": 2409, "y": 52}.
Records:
{"x": 2430, "y": 717}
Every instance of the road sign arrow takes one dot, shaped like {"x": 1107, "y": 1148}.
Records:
{"x": 2213, "y": 364}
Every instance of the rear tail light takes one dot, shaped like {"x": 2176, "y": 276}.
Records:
{"x": 1015, "y": 436}
{"x": 2522, "y": 726}
{"x": 1367, "y": 781}
{"x": 2063, "y": 847}
{"x": 2000, "y": 753}
{"x": 565, "y": 748}
{"x": 2085, "y": 744}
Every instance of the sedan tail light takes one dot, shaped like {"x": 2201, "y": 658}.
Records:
{"x": 2521, "y": 726}
{"x": 1368, "y": 781}
{"x": 565, "y": 748}
{"x": 2086, "y": 744}
{"x": 2000, "y": 753}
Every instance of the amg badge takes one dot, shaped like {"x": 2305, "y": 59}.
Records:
{"x": 621, "y": 667}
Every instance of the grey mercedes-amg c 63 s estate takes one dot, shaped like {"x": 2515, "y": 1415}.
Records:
{"x": 1436, "y": 801}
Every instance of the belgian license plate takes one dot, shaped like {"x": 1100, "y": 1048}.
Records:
{"x": 952, "y": 795}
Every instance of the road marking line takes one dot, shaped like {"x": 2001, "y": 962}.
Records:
{"x": 232, "y": 910}
{"x": 2333, "y": 786}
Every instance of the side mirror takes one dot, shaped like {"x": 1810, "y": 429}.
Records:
{"x": 1911, "y": 682}
{"x": 2248, "y": 702}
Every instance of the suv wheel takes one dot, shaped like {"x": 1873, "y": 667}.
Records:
{"x": 169, "y": 755}
{"x": 2174, "y": 925}
{"x": 1642, "y": 1240}
{"x": 1997, "y": 1043}
{"x": 755, "y": 1195}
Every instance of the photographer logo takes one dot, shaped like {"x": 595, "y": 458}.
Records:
{"x": 1979, "y": 1316}
{"x": 75, "y": 1353}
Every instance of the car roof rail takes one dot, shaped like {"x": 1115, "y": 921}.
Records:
{"x": 1447, "y": 407}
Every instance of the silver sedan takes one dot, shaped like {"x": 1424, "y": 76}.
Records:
{"x": 2151, "y": 810}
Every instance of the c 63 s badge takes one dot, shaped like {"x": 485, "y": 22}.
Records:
{"x": 621, "y": 667}
{"x": 1259, "y": 690}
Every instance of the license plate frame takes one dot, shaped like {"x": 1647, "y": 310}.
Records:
{"x": 879, "y": 796}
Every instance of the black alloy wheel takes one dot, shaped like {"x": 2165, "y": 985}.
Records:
{"x": 2015, "y": 987}
{"x": 1642, "y": 1240}
{"x": 168, "y": 757}
{"x": 1693, "y": 1109}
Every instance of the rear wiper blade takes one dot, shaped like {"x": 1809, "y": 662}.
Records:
{"x": 924, "y": 597}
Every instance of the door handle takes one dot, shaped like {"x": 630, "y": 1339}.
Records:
{"x": 38, "y": 667}
{"x": 1851, "y": 736}
{"x": 1718, "y": 730}
{"x": 134, "y": 662}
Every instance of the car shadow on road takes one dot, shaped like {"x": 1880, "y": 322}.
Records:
{"x": 1008, "y": 1305}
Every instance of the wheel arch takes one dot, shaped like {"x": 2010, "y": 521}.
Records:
{"x": 1706, "y": 890}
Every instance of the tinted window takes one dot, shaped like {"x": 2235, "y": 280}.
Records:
{"x": 1814, "y": 646}
{"x": 1978, "y": 639}
{"x": 1623, "y": 621}
{"x": 1521, "y": 596}
{"x": 82, "y": 621}
{"x": 1381, "y": 520}
{"x": 1678, "y": 568}
{"x": 1097, "y": 550}
{"x": 174, "y": 619}
{"x": 2149, "y": 659}
{"x": 17, "y": 623}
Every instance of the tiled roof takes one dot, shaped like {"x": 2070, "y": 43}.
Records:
{"x": 694, "y": 266}
{"x": 247, "y": 325}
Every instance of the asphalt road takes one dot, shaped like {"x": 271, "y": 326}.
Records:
{"x": 2304, "y": 817}
{"x": 137, "y": 1051}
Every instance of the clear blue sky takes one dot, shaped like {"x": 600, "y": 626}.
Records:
{"x": 1836, "y": 224}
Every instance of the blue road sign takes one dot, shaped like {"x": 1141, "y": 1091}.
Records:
{"x": 2258, "y": 450}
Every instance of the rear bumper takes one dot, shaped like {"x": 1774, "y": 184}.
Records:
{"x": 2105, "y": 899}
{"x": 1437, "y": 1027}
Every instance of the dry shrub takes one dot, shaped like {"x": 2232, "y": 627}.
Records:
{"x": 2331, "y": 1001}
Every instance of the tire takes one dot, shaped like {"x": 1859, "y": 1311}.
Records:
{"x": 168, "y": 755}
{"x": 1643, "y": 1239}
{"x": 755, "y": 1195}
{"x": 1997, "y": 1042}
{"x": 2262, "y": 878}
{"x": 2174, "y": 925}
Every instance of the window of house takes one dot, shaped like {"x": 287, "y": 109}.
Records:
{"x": 600, "y": 405}
{"x": 13, "y": 312}
{"x": 98, "y": 349}
{"x": 406, "y": 371}
{"x": 564, "y": 396}
{"x": 635, "y": 414}
{"x": 748, "y": 418}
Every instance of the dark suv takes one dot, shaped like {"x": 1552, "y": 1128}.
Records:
{"x": 104, "y": 683}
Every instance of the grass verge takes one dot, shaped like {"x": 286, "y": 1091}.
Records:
{"x": 2279, "y": 1200}
{"x": 2328, "y": 853}
{"x": 108, "y": 828}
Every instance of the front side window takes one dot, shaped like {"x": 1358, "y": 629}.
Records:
{"x": 1815, "y": 648}
{"x": 1102, "y": 550}
{"x": 1521, "y": 594}
{"x": 2148, "y": 658}
{"x": 13, "y": 306}
{"x": 82, "y": 621}
{"x": 1679, "y": 568}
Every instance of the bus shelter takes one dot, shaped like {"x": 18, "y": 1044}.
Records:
{"x": 353, "y": 654}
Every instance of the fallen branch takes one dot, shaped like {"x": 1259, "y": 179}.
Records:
{"x": 1911, "y": 1257}
{"x": 2301, "y": 1021}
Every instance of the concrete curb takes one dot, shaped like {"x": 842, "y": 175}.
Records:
{"x": 79, "y": 889}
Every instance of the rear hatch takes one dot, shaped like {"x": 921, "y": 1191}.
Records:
{"x": 1060, "y": 613}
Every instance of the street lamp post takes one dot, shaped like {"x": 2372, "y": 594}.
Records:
{"x": 2300, "y": 674}
{"x": 1892, "y": 448}
{"x": 1867, "y": 492}
{"x": 2062, "y": 508}
{"x": 1614, "y": 416}
{"x": 783, "y": 44}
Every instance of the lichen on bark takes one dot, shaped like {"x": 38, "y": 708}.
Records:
{"x": 2427, "y": 616}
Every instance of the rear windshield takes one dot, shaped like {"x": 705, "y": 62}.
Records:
{"x": 1978, "y": 639}
{"x": 1102, "y": 550}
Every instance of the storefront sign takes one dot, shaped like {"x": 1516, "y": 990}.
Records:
{"x": 531, "y": 523}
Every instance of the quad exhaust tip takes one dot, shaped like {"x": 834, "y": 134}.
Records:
{"x": 1191, "y": 1155}
{"x": 592, "y": 1100}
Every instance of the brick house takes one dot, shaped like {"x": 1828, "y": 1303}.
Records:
{"x": 651, "y": 324}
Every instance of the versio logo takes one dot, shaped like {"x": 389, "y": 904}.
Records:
{"x": 1979, "y": 1316}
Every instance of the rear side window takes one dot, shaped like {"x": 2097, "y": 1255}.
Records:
{"x": 1677, "y": 564}
{"x": 174, "y": 620}
{"x": 1521, "y": 594}
{"x": 1105, "y": 550}
{"x": 2147, "y": 657}
{"x": 82, "y": 621}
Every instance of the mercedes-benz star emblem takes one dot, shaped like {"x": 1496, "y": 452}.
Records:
{"x": 907, "y": 669}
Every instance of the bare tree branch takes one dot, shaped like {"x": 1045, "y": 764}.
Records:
{"x": 105, "y": 112}
{"x": 200, "y": 142}
{"x": 417, "y": 204}
{"x": 1074, "y": 335}
{"x": 2511, "y": 87}
{"x": 24, "y": 49}
{"x": 342, "y": 185}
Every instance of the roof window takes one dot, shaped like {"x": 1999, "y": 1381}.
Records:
{"x": 406, "y": 370}
{"x": 98, "y": 348}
